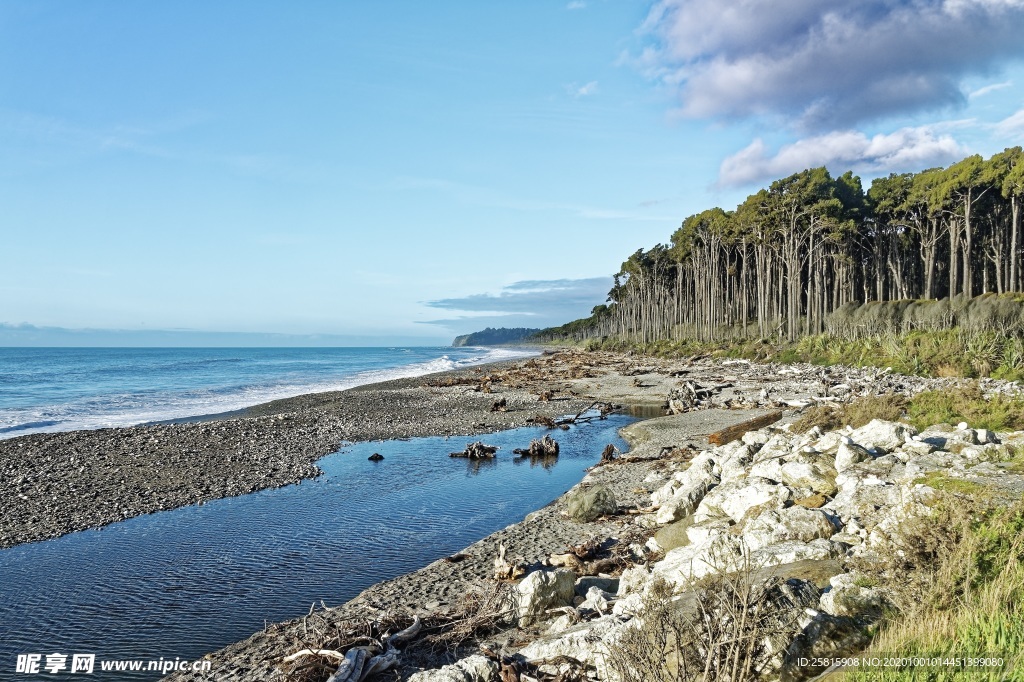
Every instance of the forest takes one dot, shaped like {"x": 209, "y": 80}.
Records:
{"x": 811, "y": 248}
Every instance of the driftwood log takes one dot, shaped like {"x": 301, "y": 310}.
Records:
{"x": 603, "y": 410}
{"x": 505, "y": 569}
{"x": 361, "y": 662}
{"x": 476, "y": 450}
{"x": 543, "y": 447}
{"x": 731, "y": 433}
{"x": 547, "y": 422}
{"x": 609, "y": 453}
{"x": 691, "y": 395}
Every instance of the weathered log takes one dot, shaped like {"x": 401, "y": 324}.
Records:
{"x": 326, "y": 653}
{"x": 505, "y": 569}
{"x": 541, "y": 420}
{"x": 476, "y": 450}
{"x": 731, "y": 433}
{"x": 544, "y": 447}
{"x": 407, "y": 634}
{"x": 609, "y": 453}
{"x": 603, "y": 410}
{"x": 351, "y": 668}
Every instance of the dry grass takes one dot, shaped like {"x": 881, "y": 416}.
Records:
{"x": 731, "y": 630}
{"x": 890, "y": 407}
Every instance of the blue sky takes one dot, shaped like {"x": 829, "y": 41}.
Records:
{"x": 406, "y": 171}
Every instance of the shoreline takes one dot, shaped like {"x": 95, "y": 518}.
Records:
{"x": 459, "y": 402}
{"x": 641, "y": 382}
{"x": 59, "y": 483}
{"x": 63, "y": 482}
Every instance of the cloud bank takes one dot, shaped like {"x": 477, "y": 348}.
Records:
{"x": 529, "y": 303}
{"x": 907, "y": 149}
{"x": 824, "y": 65}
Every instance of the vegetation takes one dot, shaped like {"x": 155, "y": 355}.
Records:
{"x": 494, "y": 337}
{"x": 891, "y": 407}
{"x": 810, "y": 245}
{"x": 967, "y": 404}
{"x": 956, "y": 352}
{"x": 737, "y": 625}
{"x": 963, "y": 571}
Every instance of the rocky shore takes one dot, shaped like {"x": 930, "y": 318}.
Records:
{"x": 59, "y": 483}
{"x": 809, "y": 504}
{"x": 806, "y": 506}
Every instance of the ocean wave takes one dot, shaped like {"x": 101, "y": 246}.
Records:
{"x": 153, "y": 404}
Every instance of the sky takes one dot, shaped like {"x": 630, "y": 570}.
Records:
{"x": 402, "y": 172}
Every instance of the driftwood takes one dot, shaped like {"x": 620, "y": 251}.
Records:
{"x": 476, "y": 450}
{"x": 729, "y": 434}
{"x": 545, "y": 396}
{"x": 609, "y": 453}
{"x": 361, "y": 662}
{"x": 691, "y": 395}
{"x": 586, "y": 550}
{"x": 603, "y": 410}
{"x": 505, "y": 569}
{"x": 500, "y": 405}
{"x": 541, "y": 420}
{"x": 544, "y": 447}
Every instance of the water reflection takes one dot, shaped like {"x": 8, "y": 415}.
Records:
{"x": 185, "y": 582}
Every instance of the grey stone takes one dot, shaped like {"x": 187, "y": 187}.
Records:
{"x": 793, "y": 523}
{"x": 882, "y": 435}
{"x": 825, "y": 636}
{"x": 543, "y": 590}
{"x": 586, "y": 582}
{"x": 847, "y": 598}
{"x": 472, "y": 669}
{"x": 736, "y": 499}
{"x": 591, "y": 503}
{"x": 849, "y": 454}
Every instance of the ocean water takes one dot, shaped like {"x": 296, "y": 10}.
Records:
{"x": 178, "y": 584}
{"x": 63, "y": 389}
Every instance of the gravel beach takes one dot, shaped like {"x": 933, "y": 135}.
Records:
{"x": 59, "y": 483}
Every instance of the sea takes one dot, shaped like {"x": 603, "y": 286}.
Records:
{"x": 64, "y": 389}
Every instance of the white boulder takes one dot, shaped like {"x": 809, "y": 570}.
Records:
{"x": 543, "y": 590}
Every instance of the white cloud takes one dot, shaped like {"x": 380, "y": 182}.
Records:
{"x": 1012, "y": 125}
{"x": 981, "y": 92}
{"x": 585, "y": 90}
{"x": 903, "y": 150}
{"x": 576, "y": 4}
{"x": 826, "y": 65}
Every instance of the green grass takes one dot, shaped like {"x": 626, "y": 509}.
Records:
{"x": 975, "y": 609}
{"x": 952, "y": 352}
{"x": 967, "y": 404}
{"x": 950, "y": 484}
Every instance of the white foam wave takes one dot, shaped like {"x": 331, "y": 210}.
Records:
{"x": 131, "y": 409}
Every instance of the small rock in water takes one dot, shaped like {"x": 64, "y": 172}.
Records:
{"x": 375, "y": 457}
